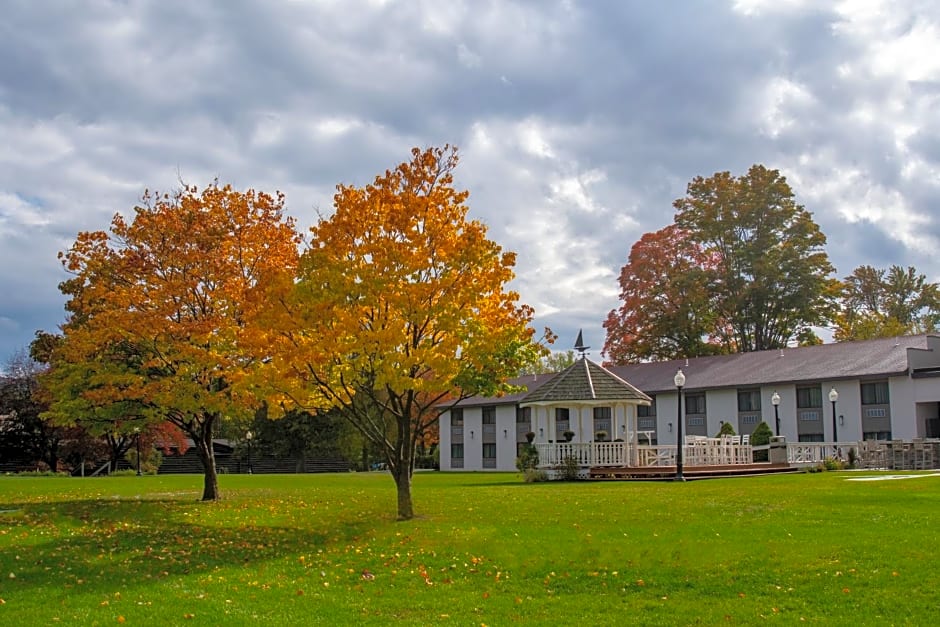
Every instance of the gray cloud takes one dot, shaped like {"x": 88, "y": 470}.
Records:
{"x": 579, "y": 122}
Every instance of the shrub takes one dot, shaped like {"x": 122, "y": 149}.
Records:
{"x": 534, "y": 475}
{"x": 853, "y": 457}
{"x": 831, "y": 463}
{"x": 528, "y": 458}
{"x": 124, "y": 473}
{"x": 569, "y": 470}
{"x": 726, "y": 429}
{"x": 759, "y": 437}
{"x": 41, "y": 473}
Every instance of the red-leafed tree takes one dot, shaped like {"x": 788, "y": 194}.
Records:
{"x": 665, "y": 312}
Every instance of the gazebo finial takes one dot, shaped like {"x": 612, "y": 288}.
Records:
{"x": 579, "y": 344}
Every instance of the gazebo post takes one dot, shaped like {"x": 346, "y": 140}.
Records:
{"x": 635, "y": 455}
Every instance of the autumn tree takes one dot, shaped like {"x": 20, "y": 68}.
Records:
{"x": 399, "y": 304}
{"x": 771, "y": 274}
{"x": 666, "y": 309}
{"x": 884, "y": 303}
{"x": 160, "y": 309}
{"x": 24, "y": 433}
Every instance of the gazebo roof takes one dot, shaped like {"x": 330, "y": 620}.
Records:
{"x": 585, "y": 381}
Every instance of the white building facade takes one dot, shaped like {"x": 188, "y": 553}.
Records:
{"x": 884, "y": 389}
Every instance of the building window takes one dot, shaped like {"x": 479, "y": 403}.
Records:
{"x": 698, "y": 421}
{"x": 456, "y": 417}
{"x": 561, "y": 414}
{"x": 808, "y": 398}
{"x": 646, "y": 411}
{"x": 489, "y": 451}
{"x": 456, "y": 451}
{"x": 876, "y": 435}
{"x": 749, "y": 400}
{"x": 811, "y": 437}
{"x": 646, "y": 424}
{"x": 523, "y": 415}
{"x": 602, "y": 419}
{"x": 809, "y": 416}
{"x": 695, "y": 404}
{"x": 489, "y": 415}
{"x": 750, "y": 419}
{"x": 875, "y": 393}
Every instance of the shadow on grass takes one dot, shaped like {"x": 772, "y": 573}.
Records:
{"x": 105, "y": 545}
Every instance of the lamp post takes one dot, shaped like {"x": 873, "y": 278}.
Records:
{"x": 775, "y": 399}
{"x": 833, "y": 397}
{"x": 248, "y": 437}
{"x": 679, "y": 380}
{"x": 137, "y": 442}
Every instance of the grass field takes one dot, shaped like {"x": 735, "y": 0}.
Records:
{"x": 487, "y": 549}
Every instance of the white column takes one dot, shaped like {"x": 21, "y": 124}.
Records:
{"x": 636, "y": 436}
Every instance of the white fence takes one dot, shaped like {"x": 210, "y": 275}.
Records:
{"x": 620, "y": 454}
{"x": 919, "y": 454}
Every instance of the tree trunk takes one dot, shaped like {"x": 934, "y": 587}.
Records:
{"x": 403, "y": 482}
{"x": 210, "y": 491}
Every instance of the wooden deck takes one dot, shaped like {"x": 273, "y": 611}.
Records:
{"x": 690, "y": 473}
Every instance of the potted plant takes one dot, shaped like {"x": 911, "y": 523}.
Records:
{"x": 530, "y": 436}
{"x": 601, "y": 436}
{"x": 568, "y": 434}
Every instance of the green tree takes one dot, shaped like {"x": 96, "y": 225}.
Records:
{"x": 886, "y": 303}
{"x": 24, "y": 432}
{"x": 770, "y": 278}
{"x": 556, "y": 361}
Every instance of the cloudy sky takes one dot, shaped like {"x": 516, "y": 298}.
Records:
{"x": 579, "y": 122}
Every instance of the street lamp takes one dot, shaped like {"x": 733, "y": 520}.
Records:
{"x": 775, "y": 399}
{"x": 833, "y": 397}
{"x": 248, "y": 437}
{"x": 137, "y": 441}
{"x": 679, "y": 380}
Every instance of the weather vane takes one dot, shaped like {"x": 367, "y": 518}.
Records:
{"x": 579, "y": 345}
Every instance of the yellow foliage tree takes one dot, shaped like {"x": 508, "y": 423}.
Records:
{"x": 161, "y": 309}
{"x": 399, "y": 306}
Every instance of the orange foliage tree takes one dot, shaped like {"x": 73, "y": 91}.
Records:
{"x": 666, "y": 310}
{"x": 160, "y": 309}
{"x": 399, "y": 305}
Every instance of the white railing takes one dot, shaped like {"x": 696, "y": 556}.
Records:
{"x": 710, "y": 453}
{"x": 618, "y": 454}
{"x": 585, "y": 453}
{"x": 811, "y": 453}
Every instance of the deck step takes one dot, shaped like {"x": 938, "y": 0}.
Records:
{"x": 690, "y": 473}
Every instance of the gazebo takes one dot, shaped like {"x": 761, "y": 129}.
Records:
{"x": 581, "y": 389}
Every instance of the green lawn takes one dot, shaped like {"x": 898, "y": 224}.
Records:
{"x": 487, "y": 549}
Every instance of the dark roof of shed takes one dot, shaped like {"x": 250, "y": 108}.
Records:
{"x": 585, "y": 381}
{"x": 825, "y": 362}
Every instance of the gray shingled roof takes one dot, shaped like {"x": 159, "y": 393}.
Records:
{"x": 585, "y": 381}
{"x": 810, "y": 364}
{"x": 527, "y": 382}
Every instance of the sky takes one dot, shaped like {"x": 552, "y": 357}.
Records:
{"x": 578, "y": 122}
